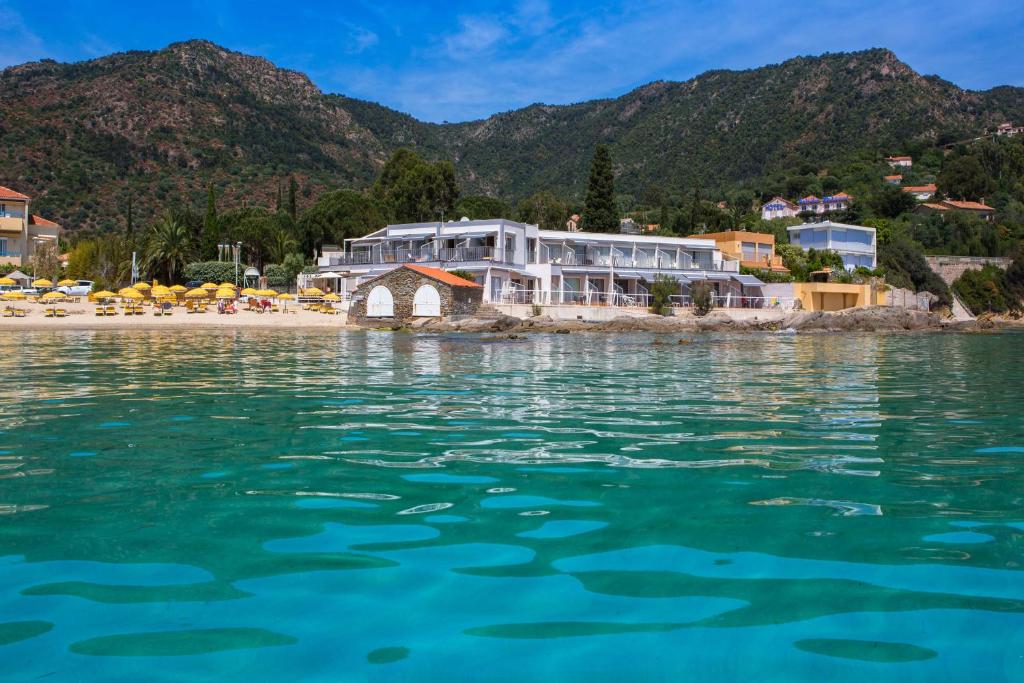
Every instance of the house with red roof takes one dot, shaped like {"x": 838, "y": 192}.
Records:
{"x": 836, "y": 202}
{"x": 893, "y": 179}
{"x": 922, "y": 193}
{"x": 900, "y": 162}
{"x": 413, "y": 291}
{"x": 779, "y": 208}
{"x": 943, "y": 208}
{"x": 21, "y": 231}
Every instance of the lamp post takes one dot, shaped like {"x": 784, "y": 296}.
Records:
{"x": 238, "y": 254}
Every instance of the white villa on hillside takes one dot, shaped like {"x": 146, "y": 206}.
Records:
{"x": 779, "y": 208}
{"x": 520, "y": 263}
{"x": 855, "y": 243}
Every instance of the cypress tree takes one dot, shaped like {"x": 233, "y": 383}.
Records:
{"x": 292, "y": 187}
{"x": 129, "y": 227}
{"x": 211, "y": 224}
{"x": 599, "y": 214}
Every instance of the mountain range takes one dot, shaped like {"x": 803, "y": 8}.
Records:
{"x": 161, "y": 126}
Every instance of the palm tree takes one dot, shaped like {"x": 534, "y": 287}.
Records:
{"x": 168, "y": 247}
{"x": 280, "y": 244}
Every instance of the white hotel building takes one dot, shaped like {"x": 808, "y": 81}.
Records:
{"x": 520, "y": 263}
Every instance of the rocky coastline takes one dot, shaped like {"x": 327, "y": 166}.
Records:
{"x": 869, "y": 319}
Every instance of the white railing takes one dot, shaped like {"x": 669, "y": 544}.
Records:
{"x": 568, "y": 297}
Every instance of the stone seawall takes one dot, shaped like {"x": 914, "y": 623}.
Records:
{"x": 949, "y": 268}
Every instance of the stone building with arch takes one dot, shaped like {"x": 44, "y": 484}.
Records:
{"x": 413, "y": 291}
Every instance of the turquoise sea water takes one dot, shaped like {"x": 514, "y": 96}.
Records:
{"x": 286, "y": 505}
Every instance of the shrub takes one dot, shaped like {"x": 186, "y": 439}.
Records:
{"x": 464, "y": 274}
{"x": 212, "y": 271}
{"x": 661, "y": 292}
{"x": 767, "y": 275}
{"x": 703, "y": 299}
{"x": 984, "y": 291}
{"x": 277, "y": 275}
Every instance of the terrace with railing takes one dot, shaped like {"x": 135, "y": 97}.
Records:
{"x": 425, "y": 254}
{"x": 619, "y": 299}
{"x": 648, "y": 259}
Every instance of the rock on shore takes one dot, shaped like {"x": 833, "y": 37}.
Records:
{"x": 869, "y": 319}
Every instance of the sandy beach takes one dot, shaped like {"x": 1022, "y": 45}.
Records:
{"x": 83, "y": 317}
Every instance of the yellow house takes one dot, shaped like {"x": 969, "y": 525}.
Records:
{"x": 21, "y": 232}
{"x": 835, "y": 296}
{"x": 751, "y": 249}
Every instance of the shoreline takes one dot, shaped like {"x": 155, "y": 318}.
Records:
{"x": 872, "y": 319}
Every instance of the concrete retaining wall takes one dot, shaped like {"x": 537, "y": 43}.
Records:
{"x": 949, "y": 268}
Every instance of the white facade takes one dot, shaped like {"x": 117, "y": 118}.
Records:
{"x": 521, "y": 263}
{"x": 779, "y": 208}
{"x": 855, "y": 243}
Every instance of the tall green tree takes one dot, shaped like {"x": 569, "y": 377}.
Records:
{"x": 599, "y": 212}
{"x": 414, "y": 190}
{"x": 211, "y": 226}
{"x": 337, "y": 216}
{"x": 168, "y": 247}
{"x": 481, "y": 207}
{"x": 544, "y": 210}
{"x": 293, "y": 208}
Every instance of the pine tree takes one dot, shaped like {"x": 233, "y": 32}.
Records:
{"x": 292, "y": 187}
{"x": 599, "y": 214}
{"x": 129, "y": 226}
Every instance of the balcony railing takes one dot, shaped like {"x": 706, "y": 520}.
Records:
{"x": 444, "y": 255}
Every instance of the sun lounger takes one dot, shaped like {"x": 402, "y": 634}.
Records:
{"x": 50, "y": 312}
{"x": 62, "y": 313}
{"x": 20, "y": 312}
{"x": 8, "y": 312}
{"x": 111, "y": 310}
{"x": 100, "y": 310}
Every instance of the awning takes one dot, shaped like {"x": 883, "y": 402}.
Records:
{"x": 748, "y": 280}
{"x": 628, "y": 274}
{"x": 717, "y": 276}
{"x": 330, "y": 276}
{"x": 467, "y": 235}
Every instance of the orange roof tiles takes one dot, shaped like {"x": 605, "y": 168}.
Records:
{"x": 39, "y": 220}
{"x": 8, "y": 193}
{"x": 442, "y": 276}
{"x": 936, "y": 207}
{"x": 899, "y": 158}
{"x": 968, "y": 206}
{"x": 930, "y": 187}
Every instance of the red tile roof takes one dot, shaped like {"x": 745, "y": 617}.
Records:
{"x": 936, "y": 207}
{"x": 930, "y": 187}
{"x": 899, "y": 158}
{"x": 442, "y": 276}
{"x": 968, "y": 206}
{"x": 39, "y": 220}
{"x": 8, "y": 193}
{"x": 893, "y": 177}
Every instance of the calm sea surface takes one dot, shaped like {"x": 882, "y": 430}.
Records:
{"x": 281, "y": 505}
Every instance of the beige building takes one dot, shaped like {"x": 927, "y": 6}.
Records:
{"x": 22, "y": 232}
{"x": 751, "y": 249}
{"x": 835, "y": 296}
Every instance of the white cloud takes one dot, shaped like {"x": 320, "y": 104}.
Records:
{"x": 361, "y": 39}
{"x": 20, "y": 44}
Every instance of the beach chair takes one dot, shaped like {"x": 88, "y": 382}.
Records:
{"x": 62, "y": 313}
{"x": 100, "y": 310}
{"x": 50, "y": 313}
{"x": 8, "y": 312}
{"x": 190, "y": 306}
{"x": 167, "y": 309}
{"x": 20, "y": 312}
{"x": 111, "y": 310}
{"x": 139, "y": 310}
{"x": 157, "y": 310}
{"x": 274, "y": 308}
{"x": 201, "y": 307}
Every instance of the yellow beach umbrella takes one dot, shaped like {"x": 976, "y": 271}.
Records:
{"x": 179, "y": 289}
{"x": 65, "y": 283}
{"x": 141, "y": 286}
{"x": 7, "y": 281}
{"x": 42, "y": 282}
{"x": 52, "y": 296}
{"x": 286, "y": 297}
{"x": 248, "y": 291}
{"x": 129, "y": 293}
{"x": 196, "y": 293}
{"x": 211, "y": 286}
{"x": 225, "y": 294}
{"x": 332, "y": 297}
{"x": 313, "y": 291}
{"x": 104, "y": 294}
{"x": 12, "y": 296}
{"x": 228, "y": 285}
{"x": 159, "y": 291}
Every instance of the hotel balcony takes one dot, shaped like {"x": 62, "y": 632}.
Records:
{"x": 444, "y": 255}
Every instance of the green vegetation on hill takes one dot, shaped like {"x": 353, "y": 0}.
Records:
{"x": 160, "y": 128}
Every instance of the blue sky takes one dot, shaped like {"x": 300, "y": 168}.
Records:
{"x": 463, "y": 60}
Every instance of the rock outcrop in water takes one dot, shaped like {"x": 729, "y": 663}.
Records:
{"x": 870, "y": 319}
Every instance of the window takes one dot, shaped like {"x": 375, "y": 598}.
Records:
{"x": 531, "y": 250}
{"x": 3, "y": 247}
{"x": 749, "y": 251}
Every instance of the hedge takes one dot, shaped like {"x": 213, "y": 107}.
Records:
{"x": 212, "y": 271}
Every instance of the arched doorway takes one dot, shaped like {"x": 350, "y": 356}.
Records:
{"x": 380, "y": 303}
{"x": 427, "y": 302}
